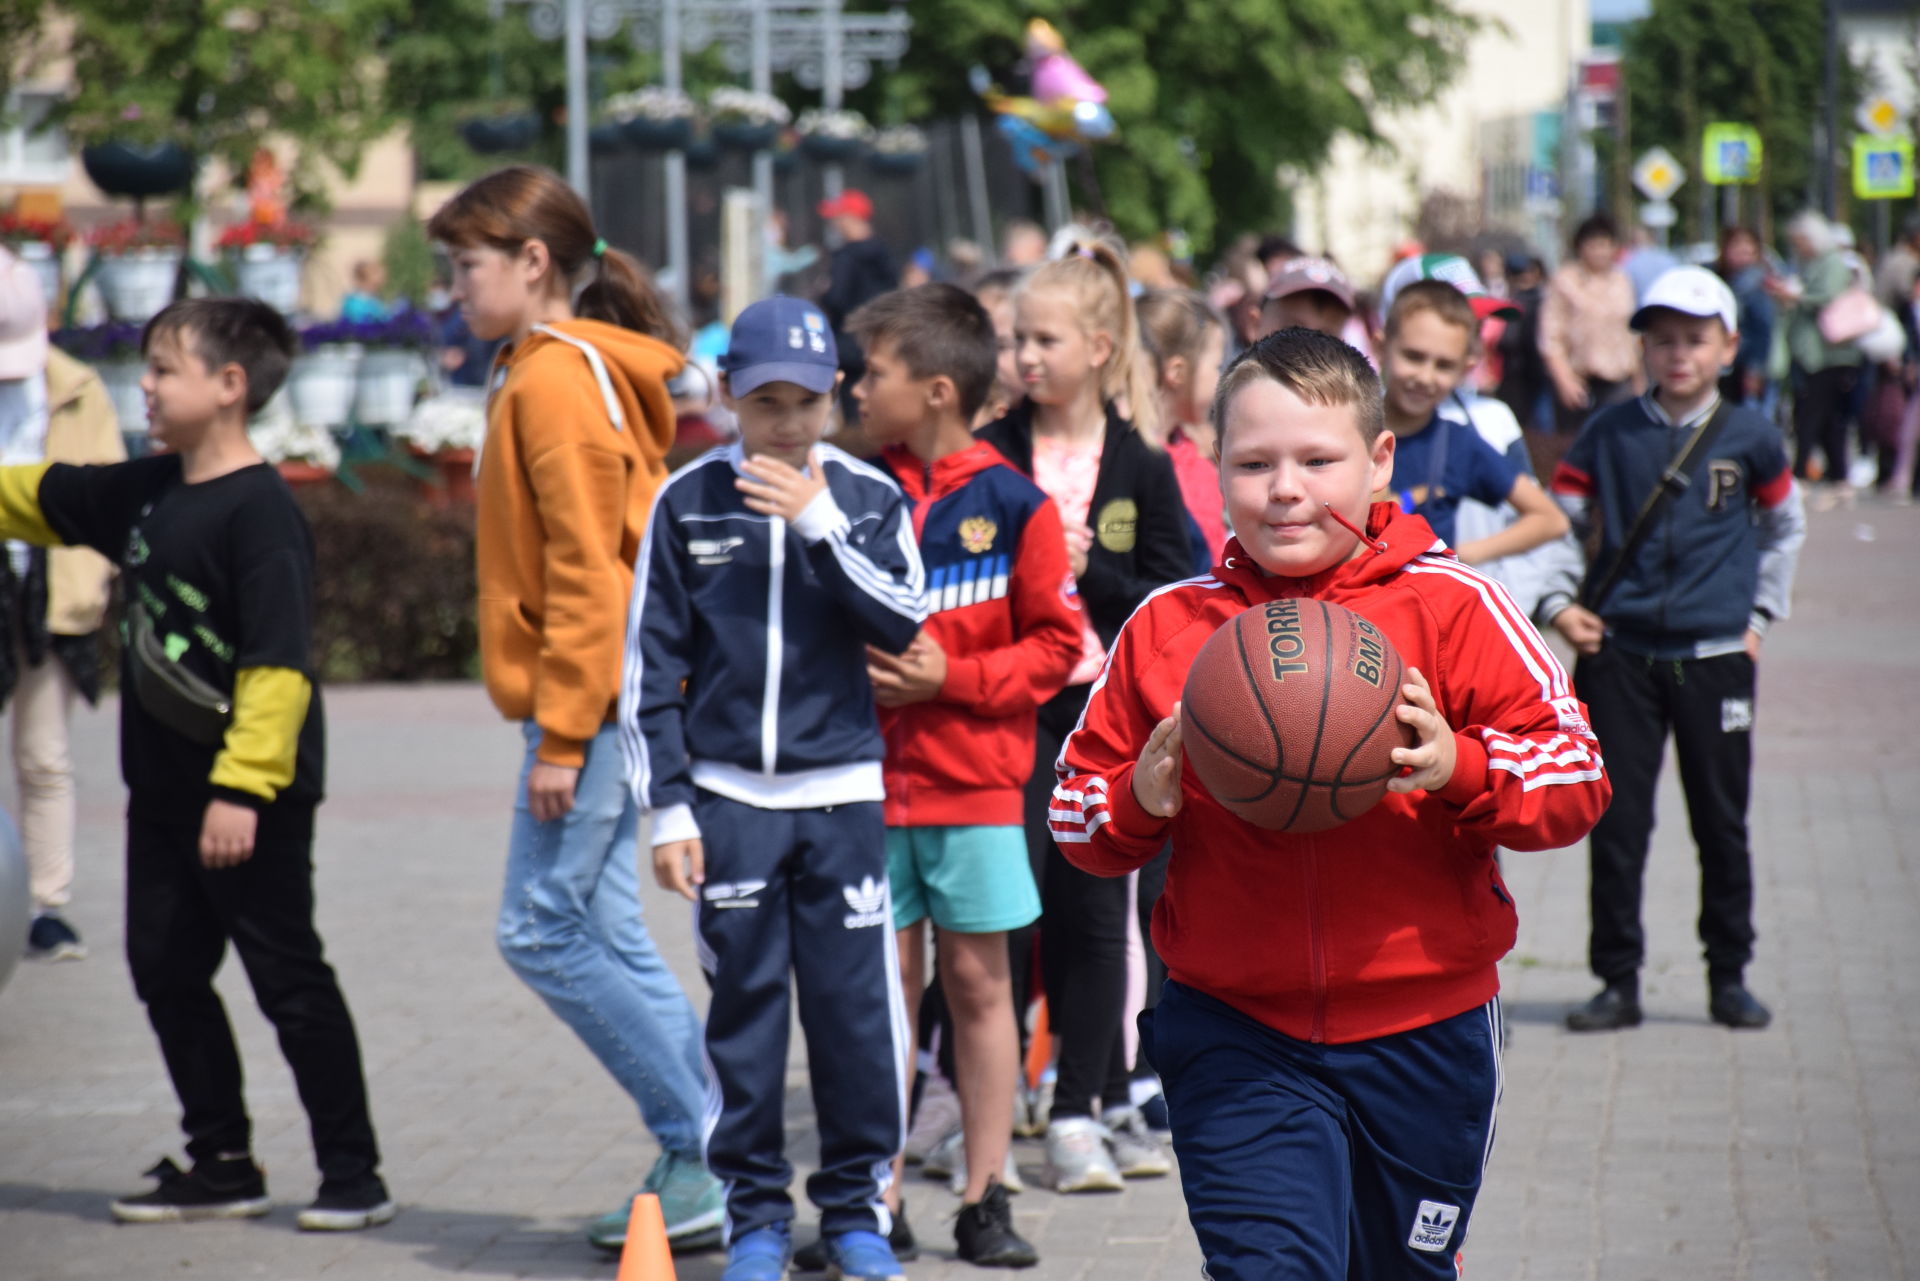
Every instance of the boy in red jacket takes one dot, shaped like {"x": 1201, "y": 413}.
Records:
{"x": 958, "y": 708}
{"x": 1329, "y": 1033}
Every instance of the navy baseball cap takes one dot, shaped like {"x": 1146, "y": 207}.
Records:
{"x": 780, "y": 340}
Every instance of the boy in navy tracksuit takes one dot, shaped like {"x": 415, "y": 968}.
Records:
{"x": 1673, "y": 645}
{"x": 748, "y": 720}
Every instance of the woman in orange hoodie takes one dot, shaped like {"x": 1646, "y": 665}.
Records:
{"x": 578, "y": 425}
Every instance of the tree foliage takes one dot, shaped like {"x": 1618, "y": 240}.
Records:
{"x": 221, "y": 77}
{"x": 1211, "y": 97}
{"x": 1692, "y": 62}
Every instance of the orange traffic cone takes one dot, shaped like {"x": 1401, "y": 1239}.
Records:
{"x": 646, "y": 1256}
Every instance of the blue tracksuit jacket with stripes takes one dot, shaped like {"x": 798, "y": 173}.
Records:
{"x": 746, "y": 669}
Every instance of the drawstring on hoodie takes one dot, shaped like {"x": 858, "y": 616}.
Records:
{"x": 1375, "y": 545}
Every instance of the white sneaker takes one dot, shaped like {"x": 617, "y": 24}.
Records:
{"x": 1135, "y": 1153}
{"x": 1031, "y": 1109}
{"x": 1009, "y": 1174}
{"x": 937, "y": 1116}
{"x": 1077, "y": 1157}
{"x": 947, "y": 1155}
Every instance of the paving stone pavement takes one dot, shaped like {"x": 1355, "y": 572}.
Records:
{"x": 1676, "y": 1151}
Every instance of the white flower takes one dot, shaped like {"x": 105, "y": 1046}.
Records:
{"x": 281, "y": 439}
{"x": 651, "y": 103}
{"x": 900, "y": 140}
{"x": 453, "y": 419}
{"x": 732, "y": 105}
{"x": 835, "y": 124}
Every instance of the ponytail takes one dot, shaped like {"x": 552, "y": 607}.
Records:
{"x": 621, "y": 292}
{"x": 511, "y": 206}
{"x": 1094, "y": 271}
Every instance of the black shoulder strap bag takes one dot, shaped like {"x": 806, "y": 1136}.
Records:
{"x": 1673, "y": 482}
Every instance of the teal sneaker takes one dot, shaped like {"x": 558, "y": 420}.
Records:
{"x": 760, "y": 1255}
{"x": 692, "y": 1202}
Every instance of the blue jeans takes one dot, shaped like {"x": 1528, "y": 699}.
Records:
{"x": 570, "y": 927}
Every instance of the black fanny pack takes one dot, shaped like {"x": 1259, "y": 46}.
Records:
{"x": 171, "y": 694}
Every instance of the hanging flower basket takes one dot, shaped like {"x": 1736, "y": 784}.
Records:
{"x": 607, "y": 139}
{"x": 270, "y": 274}
{"x": 135, "y": 286}
{"x": 834, "y": 137}
{"x": 658, "y": 135}
{"x": 740, "y": 136}
{"x": 121, "y": 378}
{"x": 45, "y": 261}
{"x": 323, "y": 383}
{"x": 137, "y": 171}
{"x": 387, "y": 384}
{"x": 899, "y": 151}
{"x": 492, "y": 135}
{"x": 653, "y": 119}
{"x": 744, "y": 120}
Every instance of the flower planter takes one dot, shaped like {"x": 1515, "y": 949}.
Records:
{"x": 831, "y": 150}
{"x": 323, "y": 383}
{"x": 121, "y": 378}
{"x": 606, "y": 140}
{"x": 388, "y": 383}
{"x": 136, "y": 285}
{"x": 658, "y": 135}
{"x": 456, "y": 476}
{"x": 896, "y": 164}
{"x": 740, "y": 135}
{"x": 493, "y": 135}
{"x": 271, "y": 274}
{"x": 129, "y": 169}
{"x": 298, "y": 473}
{"x": 40, "y": 256}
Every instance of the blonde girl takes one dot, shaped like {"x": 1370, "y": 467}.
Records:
{"x": 1188, "y": 339}
{"x": 1089, "y": 434}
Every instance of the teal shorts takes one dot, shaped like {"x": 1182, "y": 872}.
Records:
{"x": 971, "y": 880}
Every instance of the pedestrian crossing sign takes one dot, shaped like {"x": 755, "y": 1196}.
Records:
{"x": 1883, "y": 167}
{"x": 1730, "y": 154}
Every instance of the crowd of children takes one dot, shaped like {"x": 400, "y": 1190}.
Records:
{"x": 904, "y": 729}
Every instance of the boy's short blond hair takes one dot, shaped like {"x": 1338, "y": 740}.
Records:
{"x": 1438, "y": 297}
{"x": 1317, "y": 368}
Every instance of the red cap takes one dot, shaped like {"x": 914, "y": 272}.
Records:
{"x": 851, "y": 203}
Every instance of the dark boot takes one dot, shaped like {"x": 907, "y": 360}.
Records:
{"x": 1615, "y": 1006}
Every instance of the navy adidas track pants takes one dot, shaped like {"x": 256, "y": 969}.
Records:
{"x": 801, "y": 893}
{"x": 1309, "y": 1162}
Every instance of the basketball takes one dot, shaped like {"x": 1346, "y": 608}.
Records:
{"x": 1288, "y": 716}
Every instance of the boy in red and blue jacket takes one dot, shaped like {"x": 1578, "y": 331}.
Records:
{"x": 958, "y": 708}
{"x": 1328, "y": 1037}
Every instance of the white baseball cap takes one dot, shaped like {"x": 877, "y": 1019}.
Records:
{"x": 1692, "y": 291}
{"x": 23, "y": 320}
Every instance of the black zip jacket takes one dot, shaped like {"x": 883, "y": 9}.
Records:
{"x": 1138, "y": 520}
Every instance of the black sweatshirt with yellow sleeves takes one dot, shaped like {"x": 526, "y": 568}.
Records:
{"x": 224, "y": 568}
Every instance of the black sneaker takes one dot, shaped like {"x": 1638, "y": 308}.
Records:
{"x": 50, "y": 938}
{"x": 812, "y": 1257}
{"x": 1731, "y": 1005}
{"x": 1615, "y": 1006}
{"x": 348, "y": 1207}
{"x": 226, "y": 1189}
{"x": 984, "y": 1232}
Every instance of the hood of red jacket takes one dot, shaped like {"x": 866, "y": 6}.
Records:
{"x": 1394, "y": 539}
{"x": 921, "y": 481}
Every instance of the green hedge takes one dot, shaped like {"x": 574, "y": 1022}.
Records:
{"x": 394, "y": 583}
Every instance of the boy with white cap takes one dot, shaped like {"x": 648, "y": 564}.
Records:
{"x": 1700, "y": 526}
